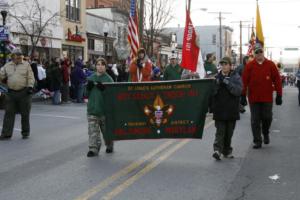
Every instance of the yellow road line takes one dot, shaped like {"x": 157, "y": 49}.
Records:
{"x": 88, "y": 194}
{"x": 144, "y": 171}
{"x": 103, "y": 184}
{"x": 147, "y": 168}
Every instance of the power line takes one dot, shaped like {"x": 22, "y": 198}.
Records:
{"x": 248, "y": 1}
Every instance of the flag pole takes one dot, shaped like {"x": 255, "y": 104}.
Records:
{"x": 141, "y": 22}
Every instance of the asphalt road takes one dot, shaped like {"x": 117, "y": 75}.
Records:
{"x": 52, "y": 164}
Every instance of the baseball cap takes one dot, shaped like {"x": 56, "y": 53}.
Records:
{"x": 172, "y": 57}
{"x": 226, "y": 60}
{"x": 17, "y": 51}
{"x": 258, "y": 47}
{"x": 156, "y": 70}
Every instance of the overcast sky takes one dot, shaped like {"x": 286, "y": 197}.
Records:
{"x": 280, "y": 19}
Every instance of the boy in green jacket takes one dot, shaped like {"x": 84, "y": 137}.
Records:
{"x": 95, "y": 108}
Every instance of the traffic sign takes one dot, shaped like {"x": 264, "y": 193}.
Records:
{"x": 4, "y": 33}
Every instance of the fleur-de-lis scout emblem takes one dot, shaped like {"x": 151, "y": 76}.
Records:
{"x": 158, "y": 113}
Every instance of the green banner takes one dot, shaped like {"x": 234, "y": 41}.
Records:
{"x": 171, "y": 109}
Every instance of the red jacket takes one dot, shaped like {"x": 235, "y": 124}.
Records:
{"x": 66, "y": 71}
{"x": 260, "y": 81}
{"x": 144, "y": 74}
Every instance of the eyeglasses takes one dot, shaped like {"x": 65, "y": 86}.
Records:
{"x": 258, "y": 51}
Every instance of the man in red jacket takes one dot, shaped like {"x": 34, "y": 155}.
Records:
{"x": 260, "y": 78}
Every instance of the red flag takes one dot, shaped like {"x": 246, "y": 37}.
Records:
{"x": 190, "y": 50}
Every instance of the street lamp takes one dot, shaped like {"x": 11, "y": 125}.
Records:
{"x": 105, "y": 33}
{"x": 4, "y": 10}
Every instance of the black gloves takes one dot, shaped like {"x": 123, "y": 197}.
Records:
{"x": 100, "y": 86}
{"x": 29, "y": 90}
{"x": 226, "y": 80}
{"x": 243, "y": 100}
{"x": 90, "y": 85}
{"x": 278, "y": 100}
{"x": 139, "y": 63}
{"x": 223, "y": 80}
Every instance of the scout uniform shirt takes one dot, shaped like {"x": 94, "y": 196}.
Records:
{"x": 173, "y": 72}
{"x": 19, "y": 76}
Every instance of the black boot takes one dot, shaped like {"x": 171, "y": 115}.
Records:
{"x": 91, "y": 154}
{"x": 3, "y": 137}
{"x": 256, "y": 146}
{"x": 109, "y": 149}
{"x": 266, "y": 139}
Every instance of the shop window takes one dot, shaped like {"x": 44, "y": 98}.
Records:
{"x": 91, "y": 44}
{"x": 214, "y": 39}
{"x": 73, "y": 10}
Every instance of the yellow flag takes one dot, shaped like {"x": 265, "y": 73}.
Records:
{"x": 259, "y": 32}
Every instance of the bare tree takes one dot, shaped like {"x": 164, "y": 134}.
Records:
{"x": 162, "y": 15}
{"x": 34, "y": 19}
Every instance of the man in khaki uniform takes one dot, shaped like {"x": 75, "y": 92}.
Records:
{"x": 20, "y": 81}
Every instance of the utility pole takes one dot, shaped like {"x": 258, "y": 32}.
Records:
{"x": 141, "y": 22}
{"x": 241, "y": 42}
{"x": 220, "y": 29}
{"x": 220, "y": 20}
{"x": 241, "y": 39}
{"x": 152, "y": 31}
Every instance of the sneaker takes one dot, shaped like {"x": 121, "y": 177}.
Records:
{"x": 91, "y": 154}
{"x": 229, "y": 156}
{"x": 217, "y": 155}
{"x": 256, "y": 146}
{"x": 109, "y": 149}
{"x": 266, "y": 139}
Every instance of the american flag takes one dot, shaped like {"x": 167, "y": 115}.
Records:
{"x": 251, "y": 44}
{"x": 133, "y": 37}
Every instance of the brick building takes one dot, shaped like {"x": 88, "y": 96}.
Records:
{"x": 121, "y": 4}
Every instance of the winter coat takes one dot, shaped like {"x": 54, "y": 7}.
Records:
{"x": 226, "y": 97}
{"x": 210, "y": 68}
{"x": 78, "y": 76}
{"x": 259, "y": 81}
{"x": 95, "y": 104}
{"x": 55, "y": 77}
{"x": 144, "y": 73}
{"x": 172, "y": 72}
{"x": 66, "y": 71}
{"x": 35, "y": 70}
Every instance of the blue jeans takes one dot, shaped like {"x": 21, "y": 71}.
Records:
{"x": 79, "y": 92}
{"x": 56, "y": 97}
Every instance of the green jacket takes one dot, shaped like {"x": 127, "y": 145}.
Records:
{"x": 210, "y": 68}
{"x": 173, "y": 73}
{"x": 95, "y": 104}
